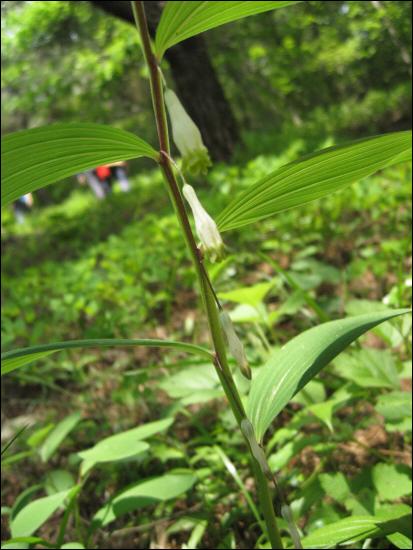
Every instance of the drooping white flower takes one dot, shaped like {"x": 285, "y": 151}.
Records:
{"x": 234, "y": 344}
{"x": 206, "y": 228}
{"x": 187, "y": 137}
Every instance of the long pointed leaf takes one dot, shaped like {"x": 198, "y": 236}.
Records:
{"x": 354, "y": 528}
{"x": 315, "y": 176}
{"x": 58, "y": 434}
{"x": 181, "y": 20}
{"x": 34, "y": 158}
{"x": 36, "y": 513}
{"x": 144, "y": 493}
{"x": 121, "y": 445}
{"x": 11, "y": 360}
{"x": 290, "y": 368}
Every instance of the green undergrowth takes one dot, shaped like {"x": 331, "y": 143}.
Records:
{"x": 118, "y": 268}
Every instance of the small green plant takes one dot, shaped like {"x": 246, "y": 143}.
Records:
{"x": 34, "y": 158}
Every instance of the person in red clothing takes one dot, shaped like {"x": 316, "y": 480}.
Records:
{"x": 101, "y": 178}
{"x": 108, "y": 173}
{"x": 104, "y": 176}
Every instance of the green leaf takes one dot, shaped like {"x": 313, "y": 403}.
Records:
{"x": 34, "y": 158}
{"x": 335, "y": 485}
{"x": 350, "y": 530}
{"x": 72, "y": 545}
{"x": 11, "y": 360}
{"x": 315, "y": 176}
{"x": 392, "y": 481}
{"x": 389, "y": 333}
{"x": 24, "y": 542}
{"x": 35, "y": 514}
{"x": 181, "y": 20}
{"x": 400, "y": 540}
{"x": 24, "y": 498}
{"x": 396, "y": 408}
{"x": 193, "y": 384}
{"x": 250, "y": 295}
{"x": 57, "y": 481}
{"x": 324, "y": 412}
{"x": 122, "y": 445}
{"x": 124, "y": 449}
{"x": 145, "y": 493}
{"x": 13, "y": 363}
{"x": 368, "y": 368}
{"x": 290, "y": 368}
{"x": 57, "y": 435}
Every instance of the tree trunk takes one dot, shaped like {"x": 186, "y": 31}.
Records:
{"x": 196, "y": 83}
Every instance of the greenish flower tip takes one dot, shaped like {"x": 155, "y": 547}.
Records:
{"x": 187, "y": 137}
{"x": 234, "y": 344}
{"x": 211, "y": 241}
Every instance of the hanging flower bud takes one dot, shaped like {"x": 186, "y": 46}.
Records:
{"x": 257, "y": 452}
{"x": 187, "y": 137}
{"x": 206, "y": 228}
{"x": 234, "y": 344}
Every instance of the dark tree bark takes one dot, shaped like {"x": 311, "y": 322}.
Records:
{"x": 196, "y": 83}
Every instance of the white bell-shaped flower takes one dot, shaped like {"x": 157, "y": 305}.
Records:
{"x": 234, "y": 344}
{"x": 187, "y": 137}
{"x": 206, "y": 228}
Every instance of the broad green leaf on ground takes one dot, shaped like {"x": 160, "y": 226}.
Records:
{"x": 250, "y": 295}
{"x": 11, "y": 360}
{"x": 244, "y": 313}
{"x": 324, "y": 411}
{"x": 193, "y": 385}
{"x": 335, "y": 485}
{"x": 37, "y": 512}
{"x": 396, "y": 408}
{"x": 58, "y": 434}
{"x": 392, "y": 481}
{"x": 181, "y": 20}
{"x": 287, "y": 451}
{"x": 354, "y": 528}
{"x": 57, "y": 481}
{"x": 315, "y": 176}
{"x": 290, "y": 368}
{"x": 368, "y": 368}
{"x": 24, "y": 498}
{"x": 34, "y": 158}
{"x": 125, "y": 449}
{"x": 145, "y": 493}
{"x": 122, "y": 445}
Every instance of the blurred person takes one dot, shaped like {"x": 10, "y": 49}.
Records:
{"x": 22, "y": 206}
{"x": 101, "y": 178}
{"x": 118, "y": 171}
{"x": 104, "y": 175}
{"x": 90, "y": 177}
{"x": 109, "y": 173}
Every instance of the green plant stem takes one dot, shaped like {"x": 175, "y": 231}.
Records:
{"x": 208, "y": 297}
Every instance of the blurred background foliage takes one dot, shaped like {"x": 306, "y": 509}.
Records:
{"x": 345, "y": 65}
